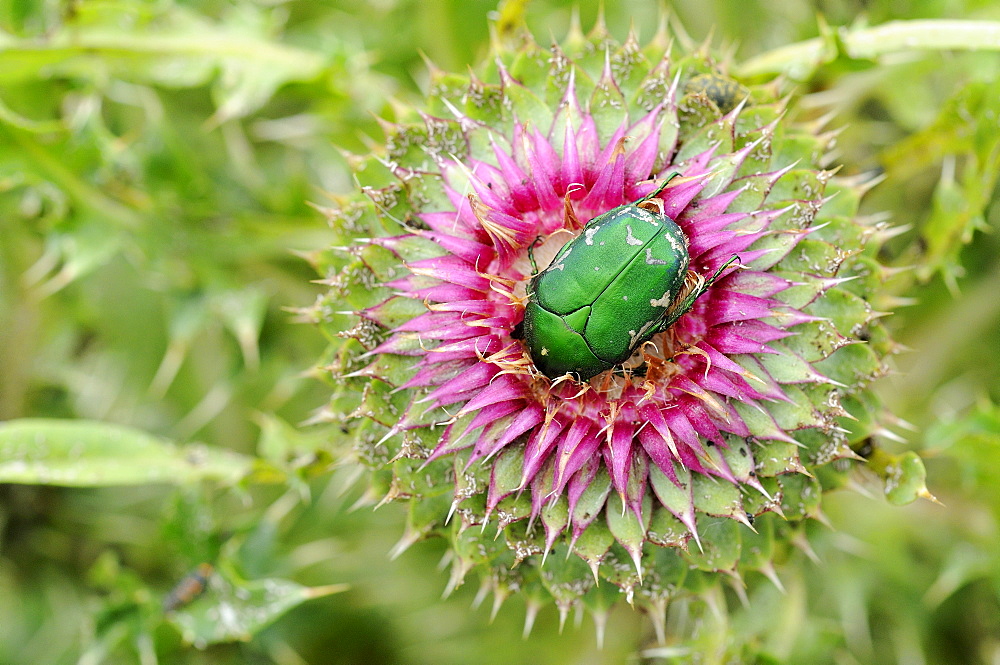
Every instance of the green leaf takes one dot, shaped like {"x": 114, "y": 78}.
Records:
{"x": 964, "y": 139}
{"x": 83, "y": 453}
{"x": 76, "y": 254}
{"x": 175, "y": 48}
{"x": 279, "y": 442}
{"x": 243, "y": 311}
{"x": 236, "y": 610}
{"x": 800, "y": 61}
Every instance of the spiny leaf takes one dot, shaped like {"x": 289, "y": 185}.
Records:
{"x": 965, "y": 139}
{"x": 84, "y": 453}
{"x": 176, "y": 48}
{"x": 235, "y": 610}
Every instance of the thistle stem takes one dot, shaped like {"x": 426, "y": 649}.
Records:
{"x": 799, "y": 61}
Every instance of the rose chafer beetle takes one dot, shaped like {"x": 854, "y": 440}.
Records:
{"x": 621, "y": 281}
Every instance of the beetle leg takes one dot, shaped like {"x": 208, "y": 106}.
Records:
{"x": 694, "y": 287}
{"x": 656, "y": 192}
{"x": 718, "y": 273}
{"x": 691, "y": 289}
{"x": 531, "y": 255}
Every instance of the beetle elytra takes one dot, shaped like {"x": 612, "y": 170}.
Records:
{"x": 621, "y": 281}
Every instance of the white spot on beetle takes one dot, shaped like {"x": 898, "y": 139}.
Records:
{"x": 588, "y": 234}
{"x": 634, "y": 336}
{"x": 631, "y": 239}
{"x": 596, "y": 268}
{"x": 624, "y": 297}
{"x": 665, "y": 301}
{"x": 545, "y": 351}
{"x": 650, "y": 260}
{"x": 645, "y": 216}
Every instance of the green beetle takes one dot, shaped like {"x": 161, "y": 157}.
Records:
{"x": 621, "y": 281}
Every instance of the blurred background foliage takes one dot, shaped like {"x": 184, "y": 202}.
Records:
{"x": 158, "y": 159}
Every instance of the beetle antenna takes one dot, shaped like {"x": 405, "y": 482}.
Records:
{"x": 694, "y": 287}
{"x": 711, "y": 280}
{"x": 707, "y": 282}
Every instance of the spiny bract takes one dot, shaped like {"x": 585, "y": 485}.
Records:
{"x": 705, "y": 451}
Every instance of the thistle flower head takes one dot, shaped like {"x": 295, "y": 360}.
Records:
{"x": 702, "y": 451}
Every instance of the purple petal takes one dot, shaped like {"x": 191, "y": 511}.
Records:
{"x": 466, "y": 349}
{"x": 530, "y": 417}
{"x": 656, "y": 446}
{"x": 436, "y": 374}
{"x": 756, "y": 283}
{"x": 734, "y": 306}
{"x": 572, "y": 169}
{"x": 711, "y": 208}
{"x": 589, "y": 146}
{"x": 494, "y": 412}
{"x": 609, "y": 189}
{"x": 444, "y": 292}
{"x": 475, "y": 377}
{"x": 455, "y": 272}
{"x": 639, "y": 163}
{"x": 619, "y": 453}
{"x": 577, "y": 447}
{"x": 464, "y": 248}
{"x": 543, "y": 163}
{"x": 728, "y": 341}
{"x": 539, "y": 448}
{"x": 502, "y": 388}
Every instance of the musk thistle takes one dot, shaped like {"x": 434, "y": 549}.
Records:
{"x": 700, "y": 457}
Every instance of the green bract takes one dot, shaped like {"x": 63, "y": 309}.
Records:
{"x": 608, "y": 290}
